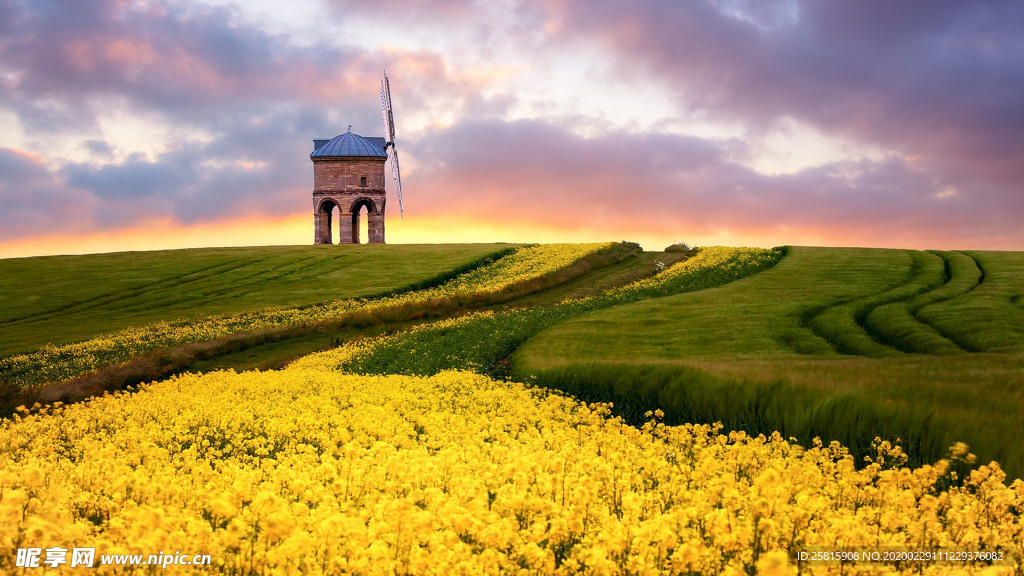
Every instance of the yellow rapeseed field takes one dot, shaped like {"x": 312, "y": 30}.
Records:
{"x": 308, "y": 470}
{"x": 720, "y": 259}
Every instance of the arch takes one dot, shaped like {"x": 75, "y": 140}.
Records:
{"x": 323, "y": 218}
{"x": 371, "y": 210}
{"x": 349, "y": 218}
{"x": 371, "y": 206}
{"x": 327, "y": 204}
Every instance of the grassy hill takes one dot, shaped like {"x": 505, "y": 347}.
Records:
{"x": 58, "y": 299}
{"x": 839, "y": 342}
{"x": 818, "y": 302}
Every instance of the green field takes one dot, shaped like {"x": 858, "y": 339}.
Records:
{"x": 847, "y": 343}
{"x": 816, "y": 301}
{"x": 58, "y": 299}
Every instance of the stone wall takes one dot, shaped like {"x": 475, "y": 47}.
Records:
{"x": 338, "y": 174}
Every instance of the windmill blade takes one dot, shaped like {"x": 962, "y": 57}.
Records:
{"x": 391, "y": 115}
{"x": 385, "y": 110}
{"x": 385, "y": 107}
{"x": 389, "y": 128}
{"x": 397, "y": 174}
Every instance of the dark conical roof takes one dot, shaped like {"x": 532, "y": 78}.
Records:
{"x": 348, "y": 145}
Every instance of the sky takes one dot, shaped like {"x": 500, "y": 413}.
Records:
{"x": 137, "y": 125}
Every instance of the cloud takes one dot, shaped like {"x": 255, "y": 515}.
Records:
{"x": 413, "y": 10}
{"x": 34, "y": 200}
{"x": 227, "y": 111}
{"x": 221, "y": 114}
{"x": 132, "y": 179}
{"x": 186, "y": 64}
{"x": 539, "y": 173}
{"x": 190, "y": 65}
{"x": 256, "y": 168}
{"x": 941, "y": 81}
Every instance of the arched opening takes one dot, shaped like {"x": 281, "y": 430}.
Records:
{"x": 327, "y": 216}
{"x": 335, "y": 215}
{"x": 362, "y": 215}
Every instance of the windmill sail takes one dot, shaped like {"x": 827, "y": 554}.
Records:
{"x": 389, "y": 128}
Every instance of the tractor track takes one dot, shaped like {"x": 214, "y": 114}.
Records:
{"x": 842, "y": 324}
{"x": 238, "y": 285}
{"x": 149, "y": 288}
{"x": 866, "y": 335}
{"x": 154, "y": 293}
{"x": 979, "y": 278}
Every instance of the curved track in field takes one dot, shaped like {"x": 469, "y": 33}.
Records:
{"x": 888, "y": 322}
{"x": 964, "y": 274}
{"x": 247, "y": 279}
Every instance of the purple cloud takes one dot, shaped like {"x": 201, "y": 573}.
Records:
{"x": 937, "y": 85}
{"x": 942, "y": 81}
{"x": 538, "y": 173}
{"x": 256, "y": 101}
{"x": 34, "y": 200}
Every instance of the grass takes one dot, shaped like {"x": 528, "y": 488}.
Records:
{"x": 841, "y": 343}
{"x": 771, "y": 312}
{"x": 988, "y": 316}
{"x": 816, "y": 301}
{"x": 60, "y": 299}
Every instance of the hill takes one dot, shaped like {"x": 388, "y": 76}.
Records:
{"x": 836, "y": 342}
{"x": 60, "y": 299}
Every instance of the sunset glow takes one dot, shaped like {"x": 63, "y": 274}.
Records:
{"x": 139, "y": 126}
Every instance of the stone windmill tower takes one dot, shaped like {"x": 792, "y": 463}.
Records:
{"x": 348, "y": 174}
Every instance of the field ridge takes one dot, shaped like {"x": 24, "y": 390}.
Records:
{"x": 144, "y": 351}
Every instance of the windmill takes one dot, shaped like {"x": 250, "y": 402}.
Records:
{"x": 389, "y": 146}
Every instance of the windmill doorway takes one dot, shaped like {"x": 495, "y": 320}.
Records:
{"x": 334, "y": 223}
{"x": 362, "y": 215}
{"x": 328, "y": 223}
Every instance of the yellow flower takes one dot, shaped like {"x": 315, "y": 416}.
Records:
{"x": 775, "y": 563}
{"x": 311, "y": 470}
